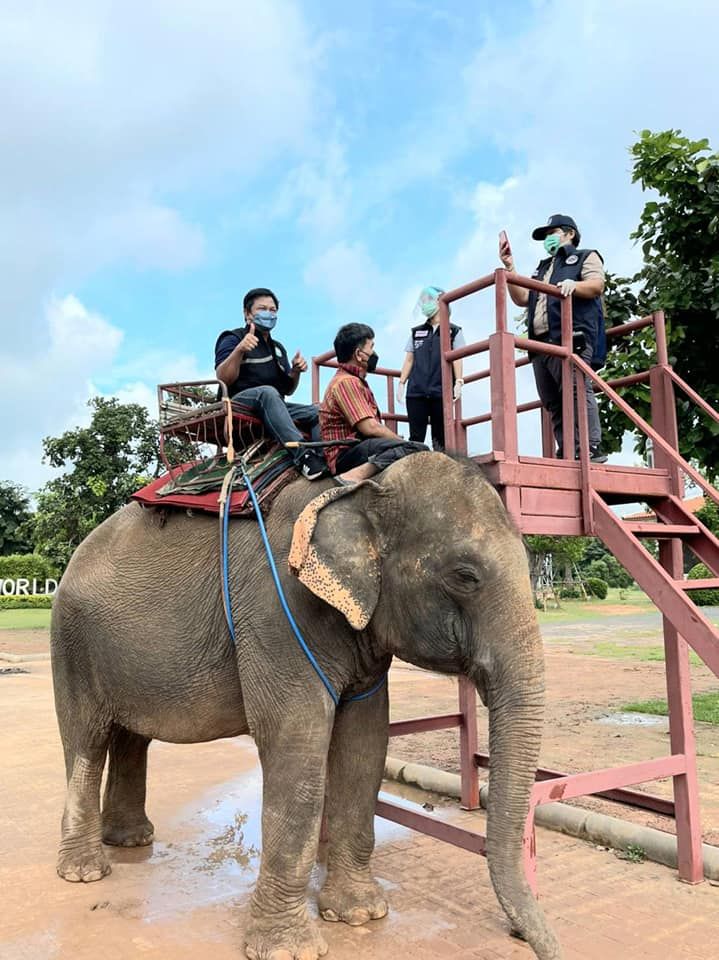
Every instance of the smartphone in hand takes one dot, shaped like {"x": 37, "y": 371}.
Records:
{"x": 505, "y": 251}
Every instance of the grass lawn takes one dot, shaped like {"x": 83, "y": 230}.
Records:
{"x": 37, "y": 619}
{"x": 620, "y": 651}
{"x": 633, "y": 600}
{"x": 705, "y": 706}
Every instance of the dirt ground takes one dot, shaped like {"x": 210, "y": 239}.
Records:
{"x": 24, "y": 641}
{"x": 187, "y": 895}
{"x": 585, "y": 693}
{"x": 585, "y": 728}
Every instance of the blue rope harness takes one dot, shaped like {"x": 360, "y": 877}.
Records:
{"x": 224, "y": 550}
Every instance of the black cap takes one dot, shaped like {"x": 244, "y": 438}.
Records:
{"x": 556, "y": 220}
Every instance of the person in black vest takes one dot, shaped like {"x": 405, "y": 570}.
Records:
{"x": 257, "y": 372}
{"x": 579, "y": 274}
{"x": 422, "y": 371}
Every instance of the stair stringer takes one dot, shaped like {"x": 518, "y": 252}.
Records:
{"x": 701, "y": 635}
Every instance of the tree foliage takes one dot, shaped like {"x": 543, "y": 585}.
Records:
{"x": 105, "y": 462}
{"x": 703, "y": 598}
{"x": 709, "y": 516}
{"x": 679, "y": 234}
{"x": 564, "y": 550}
{"x": 591, "y": 557}
{"x": 14, "y": 515}
{"x": 31, "y": 566}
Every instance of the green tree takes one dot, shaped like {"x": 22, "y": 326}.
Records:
{"x": 14, "y": 515}
{"x": 599, "y": 562}
{"x": 566, "y": 553}
{"x": 104, "y": 463}
{"x": 679, "y": 234}
{"x": 709, "y": 516}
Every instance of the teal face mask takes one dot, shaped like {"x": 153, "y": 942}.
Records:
{"x": 552, "y": 243}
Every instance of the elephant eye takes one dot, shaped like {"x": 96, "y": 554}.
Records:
{"x": 467, "y": 576}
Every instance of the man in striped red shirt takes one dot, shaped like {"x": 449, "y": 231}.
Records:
{"x": 349, "y": 411}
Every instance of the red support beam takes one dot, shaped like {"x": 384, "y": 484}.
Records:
{"x": 567, "y": 382}
{"x": 585, "y": 784}
{"x": 584, "y": 463}
{"x": 432, "y": 827}
{"x": 450, "y": 441}
{"x": 681, "y": 733}
{"x": 401, "y": 728}
{"x": 468, "y": 744}
{"x": 632, "y": 798}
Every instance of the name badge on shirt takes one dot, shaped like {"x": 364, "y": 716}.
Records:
{"x": 421, "y": 333}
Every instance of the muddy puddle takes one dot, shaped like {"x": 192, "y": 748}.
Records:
{"x": 629, "y": 719}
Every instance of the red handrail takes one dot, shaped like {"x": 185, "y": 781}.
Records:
{"x": 693, "y": 395}
{"x": 640, "y": 422}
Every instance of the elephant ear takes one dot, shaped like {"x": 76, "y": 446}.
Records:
{"x": 335, "y": 550}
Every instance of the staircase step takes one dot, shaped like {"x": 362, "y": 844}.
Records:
{"x": 666, "y": 592}
{"x": 712, "y": 584}
{"x": 661, "y": 531}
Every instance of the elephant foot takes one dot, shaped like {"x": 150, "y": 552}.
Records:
{"x": 128, "y": 835}
{"x": 284, "y": 938}
{"x": 83, "y": 867}
{"x": 352, "y": 901}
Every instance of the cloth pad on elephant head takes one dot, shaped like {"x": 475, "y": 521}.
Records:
{"x": 309, "y": 567}
{"x": 196, "y": 485}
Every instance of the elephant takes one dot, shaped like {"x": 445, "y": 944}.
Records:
{"x": 421, "y": 562}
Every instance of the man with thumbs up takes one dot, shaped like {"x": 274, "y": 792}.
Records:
{"x": 258, "y": 373}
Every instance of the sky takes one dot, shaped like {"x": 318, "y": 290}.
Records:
{"x": 160, "y": 158}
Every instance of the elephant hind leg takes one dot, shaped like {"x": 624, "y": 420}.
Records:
{"x": 124, "y": 821}
{"x": 81, "y": 857}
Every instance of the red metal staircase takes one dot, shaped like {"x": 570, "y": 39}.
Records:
{"x": 575, "y": 497}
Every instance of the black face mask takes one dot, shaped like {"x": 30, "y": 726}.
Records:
{"x": 372, "y": 362}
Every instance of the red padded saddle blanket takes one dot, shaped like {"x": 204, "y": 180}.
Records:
{"x": 196, "y": 485}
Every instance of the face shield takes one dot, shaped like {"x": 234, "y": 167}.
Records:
{"x": 427, "y": 305}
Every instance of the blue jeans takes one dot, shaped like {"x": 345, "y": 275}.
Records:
{"x": 280, "y": 417}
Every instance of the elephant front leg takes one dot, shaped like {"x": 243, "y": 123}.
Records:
{"x": 294, "y": 766}
{"x": 356, "y": 766}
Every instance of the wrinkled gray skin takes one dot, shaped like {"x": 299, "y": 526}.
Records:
{"x": 140, "y": 651}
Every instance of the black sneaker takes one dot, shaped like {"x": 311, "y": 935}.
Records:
{"x": 596, "y": 455}
{"x": 312, "y": 465}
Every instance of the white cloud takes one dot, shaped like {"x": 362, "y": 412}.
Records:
{"x": 349, "y": 276}
{"x": 572, "y": 118}
{"x": 136, "y": 381}
{"x": 149, "y": 236}
{"x": 51, "y": 389}
{"x": 111, "y": 113}
{"x": 47, "y": 392}
{"x": 317, "y": 192}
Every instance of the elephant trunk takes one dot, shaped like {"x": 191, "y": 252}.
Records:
{"x": 514, "y": 687}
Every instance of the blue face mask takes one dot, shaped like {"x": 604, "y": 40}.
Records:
{"x": 265, "y": 319}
